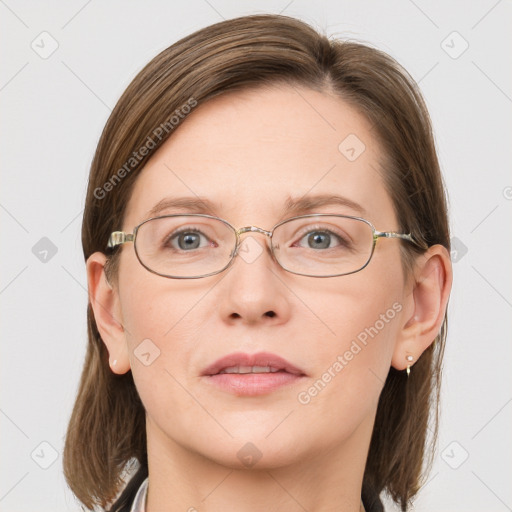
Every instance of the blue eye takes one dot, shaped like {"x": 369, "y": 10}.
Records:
{"x": 321, "y": 239}
{"x": 187, "y": 239}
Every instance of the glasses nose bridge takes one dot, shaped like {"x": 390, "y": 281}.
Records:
{"x": 253, "y": 229}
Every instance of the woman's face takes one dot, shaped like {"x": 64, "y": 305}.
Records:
{"x": 248, "y": 153}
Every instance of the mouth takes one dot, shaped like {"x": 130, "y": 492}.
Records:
{"x": 250, "y": 369}
{"x": 252, "y": 374}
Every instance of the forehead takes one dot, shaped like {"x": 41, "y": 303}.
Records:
{"x": 249, "y": 152}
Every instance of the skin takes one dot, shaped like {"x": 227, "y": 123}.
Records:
{"x": 249, "y": 151}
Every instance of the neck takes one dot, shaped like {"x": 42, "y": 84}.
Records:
{"x": 181, "y": 479}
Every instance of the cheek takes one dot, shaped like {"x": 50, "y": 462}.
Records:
{"x": 360, "y": 316}
{"x": 159, "y": 324}
{"x": 154, "y": 307}
{"x": 161, "y": 338}
{"x": 353, "y": 360}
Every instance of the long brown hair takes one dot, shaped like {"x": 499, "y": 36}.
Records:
{"x": 107, "y": 425}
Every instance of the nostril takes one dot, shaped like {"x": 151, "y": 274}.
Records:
{"x": 270, "y": 313}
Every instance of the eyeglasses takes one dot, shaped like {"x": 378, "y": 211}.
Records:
{"x": 198, "y": 245}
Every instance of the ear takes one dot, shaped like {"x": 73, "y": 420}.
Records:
{"x": 106, "y": 305}
{"x": 424, "y": 306}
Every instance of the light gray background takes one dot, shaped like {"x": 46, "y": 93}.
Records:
{"x": 53, "y": 111}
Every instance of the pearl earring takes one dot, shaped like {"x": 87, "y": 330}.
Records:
{"x": 410, "y": 359}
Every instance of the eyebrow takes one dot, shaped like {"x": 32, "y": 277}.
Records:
{"x": 292, "y": 206}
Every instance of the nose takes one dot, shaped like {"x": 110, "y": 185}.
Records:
{"x": 254, "y": 291}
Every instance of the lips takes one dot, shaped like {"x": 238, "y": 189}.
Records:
{"x": 251, "y": 375}
{"x": 262, "y": 362}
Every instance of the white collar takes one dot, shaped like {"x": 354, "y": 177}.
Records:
{"x": 139, "y": 503}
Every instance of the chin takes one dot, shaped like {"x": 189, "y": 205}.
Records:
{"x": 252, "y": 456}
{"x": 253, "y": 450}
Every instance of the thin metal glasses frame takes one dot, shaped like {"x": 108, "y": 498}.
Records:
{"x": 118, "y": 238}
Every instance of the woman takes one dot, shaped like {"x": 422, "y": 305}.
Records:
{"x": 289, "y": 365}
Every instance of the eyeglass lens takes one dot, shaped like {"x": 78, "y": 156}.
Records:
{"x": 193, "y": 246}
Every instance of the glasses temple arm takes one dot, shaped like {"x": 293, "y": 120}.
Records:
{"x": 403, "y": 236}
{"x": 119, "y": 237}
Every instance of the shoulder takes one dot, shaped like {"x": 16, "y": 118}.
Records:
{"x": 371, "y": 500}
